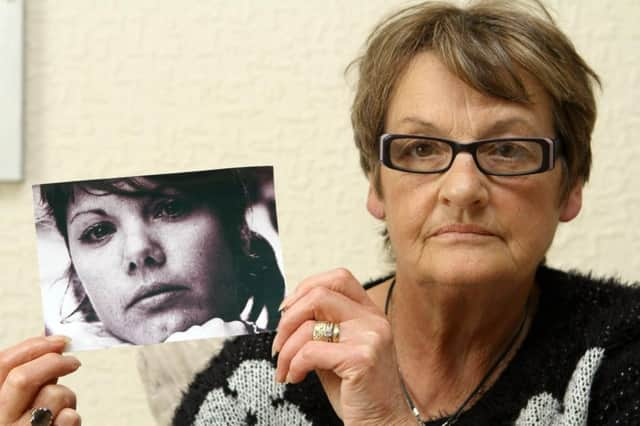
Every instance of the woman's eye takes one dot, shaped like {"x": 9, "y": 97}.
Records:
{"x": 97, "y": 232}
{"x": 171, "y": 209}
{"x": 421, "y": 149}
{"x": 509, "y": 150}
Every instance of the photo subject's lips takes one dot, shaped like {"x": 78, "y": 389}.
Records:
{"x": 155, "y": 294}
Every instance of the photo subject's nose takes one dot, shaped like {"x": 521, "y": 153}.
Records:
{"x": 141, "y": 250}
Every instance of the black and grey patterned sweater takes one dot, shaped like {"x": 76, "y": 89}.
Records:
{"x": 579, "y": 364}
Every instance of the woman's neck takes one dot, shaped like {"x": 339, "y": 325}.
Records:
{"x": 451, "y": 335}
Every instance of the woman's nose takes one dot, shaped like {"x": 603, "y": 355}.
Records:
{"x": 464, "y": 186}
{"x": 142, "y": 250}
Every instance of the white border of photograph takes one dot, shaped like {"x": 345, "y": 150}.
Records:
{"x": 253, "y": 260}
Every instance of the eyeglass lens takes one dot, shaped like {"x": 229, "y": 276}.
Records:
{"x": 431, "y": 155}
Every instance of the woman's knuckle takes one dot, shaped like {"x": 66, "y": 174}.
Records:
{"x": 384, "y": 331}
{"x": 317, "y": 295}
{"x": 305, "y": 353}
{"x": 342, "y": 274}
{"x": 320, "y": 291}
{"x": 5, "y": 362}
{"x": 366, "y": 356}
{"x": 376, "y": 339}
{"x": 18, "y": 379}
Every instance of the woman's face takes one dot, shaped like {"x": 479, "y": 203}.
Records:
{"x": 151, "y": 265}
{"x": 461, "y": 226}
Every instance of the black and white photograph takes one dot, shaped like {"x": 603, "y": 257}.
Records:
{"x": 159, "y": 258}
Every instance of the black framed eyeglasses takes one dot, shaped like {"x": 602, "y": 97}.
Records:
{"x": 498, "y": 157}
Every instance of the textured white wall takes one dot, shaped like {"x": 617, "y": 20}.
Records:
{"x": 126, "y": 88}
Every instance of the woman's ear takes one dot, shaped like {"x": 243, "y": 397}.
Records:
{"x": 375, "y": 205}
{"x": 572, "y": 204}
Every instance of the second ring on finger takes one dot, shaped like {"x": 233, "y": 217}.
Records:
{"x": 303, "y": 335}
{"x": 317, "y": 304}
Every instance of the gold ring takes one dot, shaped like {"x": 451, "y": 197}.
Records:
{"x": 325, "y": 331}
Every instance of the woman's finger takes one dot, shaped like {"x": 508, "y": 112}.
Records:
{"x": 291, "y": 347}
{"x": 25, "y": 381}
{"x": 362, "y": 375}
{"x": 68, "y": 417}
{"x": 368, "y": 331}
{"x": 339, "y": 280}
{"x": 29, "y": 350}
{"x": 56, "y": 398}
{"x": 315, "y": 355}
{"x": 64, "y": 417}
{"x": 302, "y": 336}
{"x": 318, "y": 303}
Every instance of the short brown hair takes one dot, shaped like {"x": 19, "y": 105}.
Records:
{"x": 485, "y": 45}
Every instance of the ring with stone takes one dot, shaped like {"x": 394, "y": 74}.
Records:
{"x": 41, "y": 416}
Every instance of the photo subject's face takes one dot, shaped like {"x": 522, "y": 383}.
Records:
{"x": 151, "y": 265}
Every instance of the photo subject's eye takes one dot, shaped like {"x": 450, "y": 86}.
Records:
{"x": 97, "y": 232}
{"x": 171, "y": 208}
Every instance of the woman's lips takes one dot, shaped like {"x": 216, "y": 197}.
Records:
{"x": 153, "y": 295}
{"x": 462, "y": 231}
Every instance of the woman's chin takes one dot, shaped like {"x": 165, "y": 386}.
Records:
{"x": 461, "y": 268}
{"x": 156, "y": 329}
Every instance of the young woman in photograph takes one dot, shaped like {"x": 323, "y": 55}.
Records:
{"x": 152, "y": 257}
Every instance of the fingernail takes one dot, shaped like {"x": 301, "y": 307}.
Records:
{"x": 75, "y": 361}
{"x": 59, "y": 338}
{"x": 287, "y": 380}
{"x": 282, "y": 306}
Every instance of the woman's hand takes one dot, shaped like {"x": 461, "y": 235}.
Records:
{"x": 359, "y": 373}
{"x": 29, "y": 374}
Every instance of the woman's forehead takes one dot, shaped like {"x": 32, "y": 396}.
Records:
{"x": 428, "y": 92}
{"x": 116, "y": 195}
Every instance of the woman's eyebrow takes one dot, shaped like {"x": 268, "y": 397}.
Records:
{"x": 509, "y": 124}
{"x": 420, "y": 125}
{"x": 99, "y": 212}
{"x": 502, "y": 125}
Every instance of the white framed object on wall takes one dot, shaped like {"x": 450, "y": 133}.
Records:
{"x": 11, "y": 63}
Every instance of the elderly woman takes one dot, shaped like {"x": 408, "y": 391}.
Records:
{"x": 473, "y": 127}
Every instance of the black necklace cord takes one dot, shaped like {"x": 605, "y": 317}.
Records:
{"x": 452, "y": 419}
